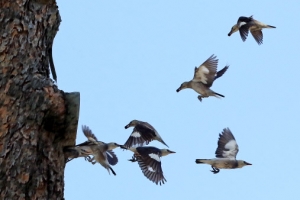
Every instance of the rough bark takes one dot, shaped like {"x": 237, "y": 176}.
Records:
{"x": 36, "y": 118}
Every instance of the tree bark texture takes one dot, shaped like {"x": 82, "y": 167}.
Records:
{"x": 36, "y": 118}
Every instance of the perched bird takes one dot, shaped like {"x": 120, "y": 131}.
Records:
{"x": 225, "y": 153}
{"x": 244, "y": 24}
{"x": 101, "y": 151}
{"x": 142, "y": 133}
{"x": 149, "y": 161}
{"x": 204, "y": 76}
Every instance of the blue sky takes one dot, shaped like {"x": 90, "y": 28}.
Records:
{"x": 127, "y": 58}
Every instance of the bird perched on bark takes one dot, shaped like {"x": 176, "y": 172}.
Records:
{"x": 101, "y": 152}
{"x": 149, "y": 161}
{"x": 244, "y": 24}
{"x": 204, "y": 76}
{"x": 142, "y": 133}
{"x": 225, "y": 154}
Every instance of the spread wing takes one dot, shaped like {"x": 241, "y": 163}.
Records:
{"x": 141, "y": 134}
{"x": 243, "y": 20}
{"x": 227, "y": 146}
{"x": 111, "y": 157}
{"x": 89, "y": 134}
{"x": 206, "y": 72}
{"x": 150, "y": 164}
{"x": 221, "y": 72}
{"x": 258, "y": 36}
{"x": 244, "y": 30}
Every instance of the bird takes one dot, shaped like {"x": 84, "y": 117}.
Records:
{"x": 149, "y": 161}
{"x": 142, "y": 133}
{"x": 101, "y": 152}
{"x": 204, "y": 76}
{"x": 244, "y": 24}
{"x": 225, "y": 154}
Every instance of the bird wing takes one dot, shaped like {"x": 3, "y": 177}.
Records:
{"x": 227, "y": 146}
{"x": 258, "y": 36}
{"x": 206, "y": 72}
{"x": 141, "y": 134}
{"x": 89, "y": 134}
{"x": 111, "y": 157}
{"x": 243, "y": 20}
{"x": 221, "y": 72}
{"x": 150, "y": 164}
{"x": 244, "y": 30}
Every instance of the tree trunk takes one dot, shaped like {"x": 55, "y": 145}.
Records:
{"x": 36, "y": 118}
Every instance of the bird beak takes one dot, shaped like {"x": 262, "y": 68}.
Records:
{"x": 248, "y": 163}
{"x": 229, "y": 34}
{"x": 123, "y": 147}
{"x": 172, "y": 151}
{"x": 127, "y": 126}
{"x": 178, "y": 89}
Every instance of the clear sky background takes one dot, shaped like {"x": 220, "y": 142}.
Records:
{"x": 127, "y": 58}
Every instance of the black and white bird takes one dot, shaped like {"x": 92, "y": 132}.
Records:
{"x": 149, "y": 161}
{"x": 204, "y": 76}
{"x": 142, "y": 133}
{"x": 225, "y": 154}
{"x": 101, "y": 152}
{"x": 244, "y": 24}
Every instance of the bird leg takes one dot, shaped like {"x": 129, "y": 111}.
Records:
{"x": 215, "y": 170}
{"x": 133, "y": 159}
{"x": 88, "y": 158}
{"x": 200, "y": 97}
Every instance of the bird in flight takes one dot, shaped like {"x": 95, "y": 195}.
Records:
{"x": 225, "y": 154}
{"x": 244, "y": 24}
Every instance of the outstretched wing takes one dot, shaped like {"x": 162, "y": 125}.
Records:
{"x": 258, "y": 36}
{"x": 206, "y": 72}
{"x": 141, "y": 134}
{"x": 150, "y": 164}
{"x": 227, "y": 146}
{"x": 89, "y": 134}
{"x": 221, "y": 72}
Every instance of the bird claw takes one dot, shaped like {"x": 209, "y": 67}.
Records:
{"x": 215, "y": 170}
{"x": 133, "y": 159}
{"x": 200, "y": 98}
{"x": 88, "y": 158}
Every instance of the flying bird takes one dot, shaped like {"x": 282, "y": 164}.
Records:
{"x": 244, "y": 24}
{"x": 101, "y": 152}
{"x": 204, "y": 76}
{"x": 149, "y": 161}
{"x": 225, "y": 154}
{"x": 142, "y": 133}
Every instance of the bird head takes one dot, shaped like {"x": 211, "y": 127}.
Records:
{"x": 165, "y": 152}
{"x": 182, "y": 86}
{"x": 235, "y": 28}
{"x": 242, "y": 163}
{"x": 113, "y": 145}
{"x": 132, "y": 123}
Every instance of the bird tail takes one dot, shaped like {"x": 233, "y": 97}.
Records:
{"x": 203, "y": 161}
{"x": 218, "y": 95}
{"x": 269, "y": 26}
{"x": 114, "y": 173}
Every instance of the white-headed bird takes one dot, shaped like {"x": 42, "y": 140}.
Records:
{"x": 142, "y": 133}
{"x": 204, "y": 76}
{"x": 225, "y": 154}
{"x": 244, "y": 24}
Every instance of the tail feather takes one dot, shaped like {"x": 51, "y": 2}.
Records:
{"x": 114, "y": 173}
{"x": 200, "y": 161}
{"x": 219, "y": 95}
{"x": 269, "y": 26}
